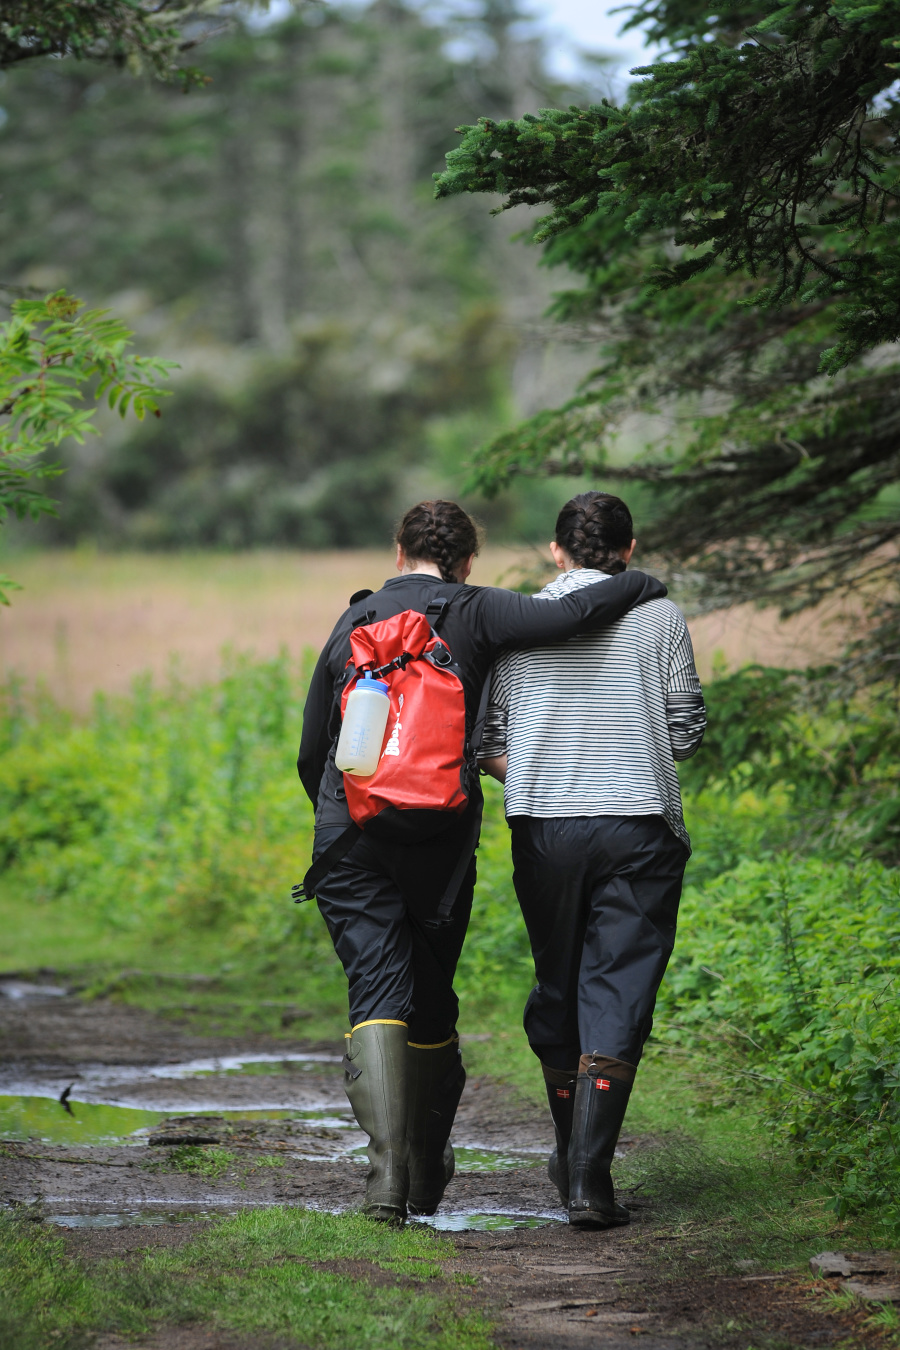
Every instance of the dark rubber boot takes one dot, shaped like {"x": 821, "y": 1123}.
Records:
{"x": 436, "y": 1082}
{"x": 561, "y": 1096}
{"x": 601, "y": 1100}
{"x": 375, "y": 1080}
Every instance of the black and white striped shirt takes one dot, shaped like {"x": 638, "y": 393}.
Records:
{"x": 592, "y": 726}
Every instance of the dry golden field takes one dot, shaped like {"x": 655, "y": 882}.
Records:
{"x": 89, "y": 621}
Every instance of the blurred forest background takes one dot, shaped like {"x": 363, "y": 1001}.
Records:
{"x": 345, "y": 341}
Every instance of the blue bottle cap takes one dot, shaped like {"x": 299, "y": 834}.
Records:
{"x": 369, "y": 682}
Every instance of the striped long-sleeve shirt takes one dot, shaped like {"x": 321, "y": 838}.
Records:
{"x": 592, "y": 726}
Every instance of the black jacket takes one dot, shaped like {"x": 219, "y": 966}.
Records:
{"x": 480, "y": 622}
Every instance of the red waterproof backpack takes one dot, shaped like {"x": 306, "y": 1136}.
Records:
{"x": 423, "y": 758}
{"x": 427, "y": 766}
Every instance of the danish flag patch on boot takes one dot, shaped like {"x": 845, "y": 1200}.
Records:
{"x": 563, "y": 1092}
{"x": 603, "y": 1085}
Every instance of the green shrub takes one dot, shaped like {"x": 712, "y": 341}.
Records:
{"x": 786, "y": 976}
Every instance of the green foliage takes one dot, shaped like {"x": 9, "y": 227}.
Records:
{"x": 253, "y": 1274}
{"x": 49, "y": 350}
{"x": 834, "y": 760}
{"x": 131, "y": 32}
{"x": 733, "y": 224}
{"x": 788, "y": 982}
{"x": 747, "y": 161}
{"x": 172, "y": 812}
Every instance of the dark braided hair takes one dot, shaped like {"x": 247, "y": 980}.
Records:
{"x": 438, "y": 532}
{"x": 593, "y": 529}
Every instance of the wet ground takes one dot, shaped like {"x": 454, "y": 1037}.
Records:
{"x": 102, "y": 1105}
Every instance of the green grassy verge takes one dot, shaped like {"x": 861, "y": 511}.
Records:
{"x": 258, "y": 1272}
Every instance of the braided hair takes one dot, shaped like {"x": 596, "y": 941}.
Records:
{"x": 438, "y": 532}
{"x": 593, "y": 529}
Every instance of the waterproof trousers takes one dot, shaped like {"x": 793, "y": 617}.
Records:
{"x": 599, "y": 895}
{"x": 377, "y": 903}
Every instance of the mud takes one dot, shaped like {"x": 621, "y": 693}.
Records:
{"x": 284, "y": 1135}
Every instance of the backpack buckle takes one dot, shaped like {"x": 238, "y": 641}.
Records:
{"x": 298, "y": 893}
{"x": 435, "y": 610}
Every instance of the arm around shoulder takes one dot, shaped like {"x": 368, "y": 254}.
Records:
{"x": 527, "y": 620}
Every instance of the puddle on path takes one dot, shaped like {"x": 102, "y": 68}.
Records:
{"x": 21, "y": 991}
{"x": 461, "y": 1222}
{"x": 292, "y": 1102}
{"x": 92, "y": 1079}
{"x": 458, "y": 1221}
{"x": 44, "y": 1119}
{"x": 492, "y": 1160}
{"x": 329, "y": 1134}
{"x": 133, "y": 1218}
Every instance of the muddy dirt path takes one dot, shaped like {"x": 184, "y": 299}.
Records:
{"x": 100, "y": 1164}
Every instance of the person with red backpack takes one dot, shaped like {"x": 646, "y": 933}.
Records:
{"x": 393, "y": 861}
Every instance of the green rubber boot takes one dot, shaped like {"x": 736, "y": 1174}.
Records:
{"x": 376, "y": 1081}
{"x": 561, "y": 1098}
{"x": 436, "y": 1082}
{"x": 602, "y": 1090}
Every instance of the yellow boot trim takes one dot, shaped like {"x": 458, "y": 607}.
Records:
{"x": 439, "y": 1045}
{"x": 379, "y": 1022}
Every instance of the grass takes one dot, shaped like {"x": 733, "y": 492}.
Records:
{"x": 198, "y": 1160}
{"x": 259, "y": 1272}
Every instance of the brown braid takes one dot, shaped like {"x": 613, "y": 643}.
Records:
{"x": 438, "y": 532}
{"x": 594, "y": 528}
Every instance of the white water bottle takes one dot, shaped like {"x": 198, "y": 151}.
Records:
{"x": 362, "y": 731}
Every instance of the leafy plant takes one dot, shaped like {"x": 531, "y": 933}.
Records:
{"x": 50, "y": 349}
{"x": 785, "y": 978}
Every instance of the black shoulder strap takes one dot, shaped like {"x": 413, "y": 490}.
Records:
{"x": 361, "y": 616}
{"x": 436, "y": 609}
{"x": 481, "y": 717}
{"x": 306, "y": 889}
{"x": 466, "y": 854}
{"x": 359, "y": 595}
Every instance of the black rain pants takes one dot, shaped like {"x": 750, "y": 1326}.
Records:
{"x": 376, "y": 903}
{"x": 599, "y": 895}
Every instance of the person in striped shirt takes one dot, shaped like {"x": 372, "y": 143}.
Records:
{"x": 585, "y": 735}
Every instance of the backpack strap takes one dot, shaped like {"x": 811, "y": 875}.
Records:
{"x": 466, "y": 854}
{"x": 333, "y": 854}
{"x": 436, "y": 609}
{"x": 481, "y": 717}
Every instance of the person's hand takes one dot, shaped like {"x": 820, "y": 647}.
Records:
{"x": 495, "y": 766}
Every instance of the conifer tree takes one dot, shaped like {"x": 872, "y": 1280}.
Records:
{"x": 735, "y": 223}
{"x": 136, "y": 33}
